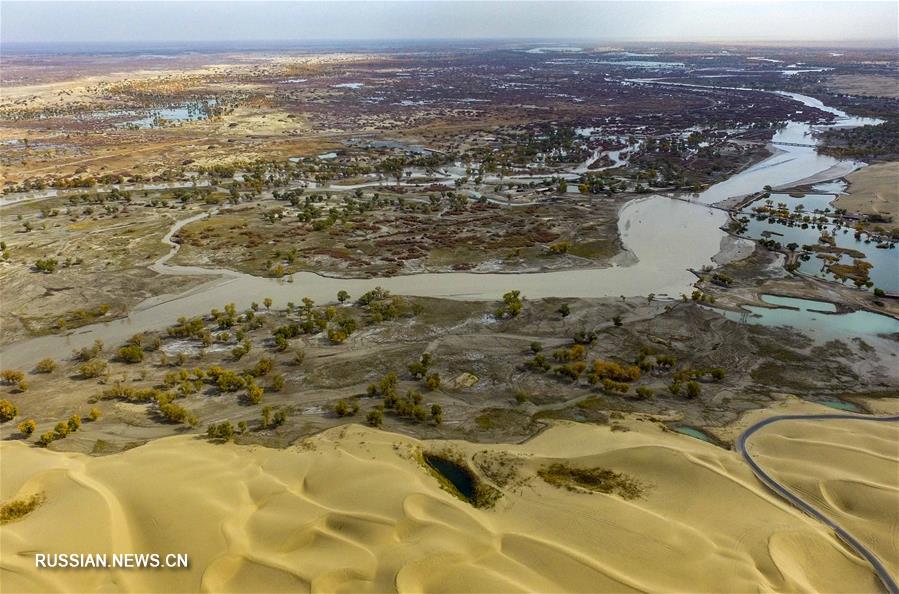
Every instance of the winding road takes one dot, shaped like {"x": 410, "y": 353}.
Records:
{"x": 888, "y": 580}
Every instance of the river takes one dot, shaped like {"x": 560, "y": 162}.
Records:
{"x": 665, "y": 237}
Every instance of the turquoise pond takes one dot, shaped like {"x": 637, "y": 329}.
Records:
{"x": 811, "y": 316}
{"x": 885, "y": 261}
{"x": 693, "y": 432}
{"x": 842, "y": 405}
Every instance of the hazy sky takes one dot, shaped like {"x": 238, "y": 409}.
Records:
{"x": 298, "y": 21}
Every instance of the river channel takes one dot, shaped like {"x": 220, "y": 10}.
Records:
{"x": 665, "y": 238}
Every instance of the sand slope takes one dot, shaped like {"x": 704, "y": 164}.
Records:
{"x": 873, "y": 190}
{"x": 353, "y": 511}
{"x": 847, "y": 469}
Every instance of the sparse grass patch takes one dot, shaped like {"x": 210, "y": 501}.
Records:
{"x": 19, "y": 508}
{"x": 597, "y": 480}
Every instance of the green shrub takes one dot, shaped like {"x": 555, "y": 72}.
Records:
{"x": 345, "y": 409}
{"x": 375, "y": 417}
{"x": 645, "y": 392}
{"x": 693, "y": 390}
{"x": 46, "y": 265}
{"x": 222, "y": 431}
{"x": 131, "y": 353}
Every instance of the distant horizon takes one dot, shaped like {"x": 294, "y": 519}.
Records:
{"x": 298, "y": 44}
{"x": 791, "y": 24}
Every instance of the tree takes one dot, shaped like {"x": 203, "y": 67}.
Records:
{"x": 437, "y": 413}
{"x": 61, "y": 429}
{"x": 281, "y": 343}
{"x": 46, "y": 439}
{"x": 394, "y": 167}
{"x": 74, "y": 423}
{"x": 262, "y": 367}
{"x": 27, "y": 427}
{"x": 95, "y": 414}
{"x": 419, "y": 368}
{"x": 432, "y": 380}
{"x": 267, "y": 302}
{"x": 223, "y": 431}
{"x": 336, "y": 335}
{"x": 346, "y": 409}
{"x": 277, "y": 383}
{"x": 375, "y": 417}
{"x": 511, "y": 305}
{"x": 565, "y": 310}
{"x": 343, "y": 296}
{"x": 254, "y": 393}
{"x": 266, "y": 416}
{"x": 131, "y": 353}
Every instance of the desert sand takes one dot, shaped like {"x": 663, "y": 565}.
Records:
{"x": 352, "y": 509}
{"x": 873, "y": 190}
{"x": 845, "y": 468}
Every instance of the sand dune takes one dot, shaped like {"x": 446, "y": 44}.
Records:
{"x": 873, "y": 190}
{"x": 352, "y": 510}
{"x": 847, "y": 469}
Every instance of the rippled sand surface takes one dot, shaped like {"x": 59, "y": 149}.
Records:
{"x": 353, "y": 510}
{"x": 847, "y": 469}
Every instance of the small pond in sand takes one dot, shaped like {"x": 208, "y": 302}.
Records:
{"x": 694, "y": 432}
{"x": 843, "y": 405}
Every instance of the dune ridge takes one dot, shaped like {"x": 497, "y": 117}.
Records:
{"x": 847, "y": 469}
{"x": 353, "y": 510}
